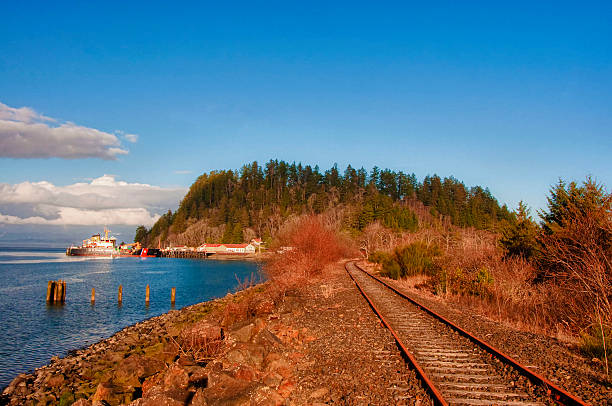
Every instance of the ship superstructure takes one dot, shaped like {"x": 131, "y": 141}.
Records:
{"x": 96, "y": 246}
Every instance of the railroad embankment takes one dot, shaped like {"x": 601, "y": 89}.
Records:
{"x": 319, "y": 345}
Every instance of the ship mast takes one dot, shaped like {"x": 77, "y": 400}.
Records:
{"x": 106, "y": 230}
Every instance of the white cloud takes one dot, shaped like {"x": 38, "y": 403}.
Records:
{"x": 24, "y": 133}
{"x": 131, "y": 137}
{"x": 23, "y": 114}
{"x": 104, "y": 200}
{"x": 78, "y": 217}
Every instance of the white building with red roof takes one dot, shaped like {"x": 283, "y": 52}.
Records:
{"x": 227, "y": 248}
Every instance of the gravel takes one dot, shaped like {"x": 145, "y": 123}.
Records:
{"x": 350, "y": 358}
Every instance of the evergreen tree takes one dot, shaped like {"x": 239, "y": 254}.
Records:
{"x": 141, "y": 235}
{"x": 518, "y": 238}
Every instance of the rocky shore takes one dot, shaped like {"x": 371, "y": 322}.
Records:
{"x": 255, "y": 347}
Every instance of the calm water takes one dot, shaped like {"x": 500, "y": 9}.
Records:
{"x": 32, "y": 331}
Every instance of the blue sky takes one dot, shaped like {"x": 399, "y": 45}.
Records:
{"x": 509, "y": 96}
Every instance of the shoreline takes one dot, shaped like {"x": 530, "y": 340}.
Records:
{"x": 122, "y": 344}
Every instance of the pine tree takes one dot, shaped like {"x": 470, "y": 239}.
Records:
{"x": 518, "y": 238}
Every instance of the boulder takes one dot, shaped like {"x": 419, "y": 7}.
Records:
{"x": 272, "y": 379}
{"x": 134, "y": 368}
{"x": 150, "y": 382}
{"x": 243, "y": 334}
{"x": 55, "y": 380}
{"x": 176, "y": 377}
{"x": 198, "y": 376}
{"x": 228, "y": 391}
{"x": 246, "y": 353}
{"x": 158, "y": 400}
{"x": 280, "y": 366}
{"x": 266, "y": 338}
{"x": 104, "y": 392}
{"x": 234, "y": 313}
{"x": 199, "y": 399}
{"x": 112, "y": 393}
{"x": 245, "y": 373}
{"x": 201, "y": 332}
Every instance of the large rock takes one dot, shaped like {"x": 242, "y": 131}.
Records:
{"x": 104, "y": 392}
{"x": 245, "y": 373}
{"x": 228, "y": 391}
{"x": 55, "y": 380}
{"x": 113, "y": 394}
{"x": 266, "y": 338}
{"x": 243, "y": 334}
{"x": 280, "y": 366}
{"x": 234, "y": 313}
{"x": 199, "y": 399}
{"x": 198, "y": 376}
{"x": 201, "y": 332}
{"x": 176, "y": 377}
{"x": 157, "y": 400}
{"x": 17, "y": 385}
{"x": 135, "y": 368}
{"x": 246, "y": 353}
{"x": 172, "y": 383}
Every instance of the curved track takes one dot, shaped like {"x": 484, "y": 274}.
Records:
{"x": 456, "y": 367}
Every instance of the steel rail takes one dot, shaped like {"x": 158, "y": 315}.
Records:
{"x": 429, "y": 385}
{"x": 556, "y": 393}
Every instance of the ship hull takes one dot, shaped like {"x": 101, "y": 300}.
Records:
{"x": 148, "y": 253}
{"x": 91, "y": 252}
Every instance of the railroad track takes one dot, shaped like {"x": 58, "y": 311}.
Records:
{"x": 455, "y": 367}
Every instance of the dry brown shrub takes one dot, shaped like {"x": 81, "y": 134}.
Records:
{"x": 203, "y": 341}
{"x": 474, "y": 272}
{"x": 516, "y": 300}
{"x": 306, "y": 246}
{"x": 511, "y": 295}
{"x": 578, "y": 257}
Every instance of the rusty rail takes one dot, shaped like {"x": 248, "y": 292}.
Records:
{"x": 556, "y": 393}
{"x": 429, "y": 385}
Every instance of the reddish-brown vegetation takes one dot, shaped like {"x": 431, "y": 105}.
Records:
{"x": 306, "y": 246}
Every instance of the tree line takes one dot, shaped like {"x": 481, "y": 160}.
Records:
{"x": 249, "y": 197}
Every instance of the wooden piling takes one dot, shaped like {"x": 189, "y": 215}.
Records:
{"x": 93, "y": 295}
{"x": 173, "y": 296}
{"x": 120, "y": 294}
{"x": 50, "y": 291}
{"x": 56, "y": 292}
{"x": 59, "y": 290}
{"x": 147, "y": 295}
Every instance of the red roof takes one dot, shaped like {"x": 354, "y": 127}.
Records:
{"x": 225, "y": 245}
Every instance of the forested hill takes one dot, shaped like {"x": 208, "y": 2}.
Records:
{"x": 234, "y": 206}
